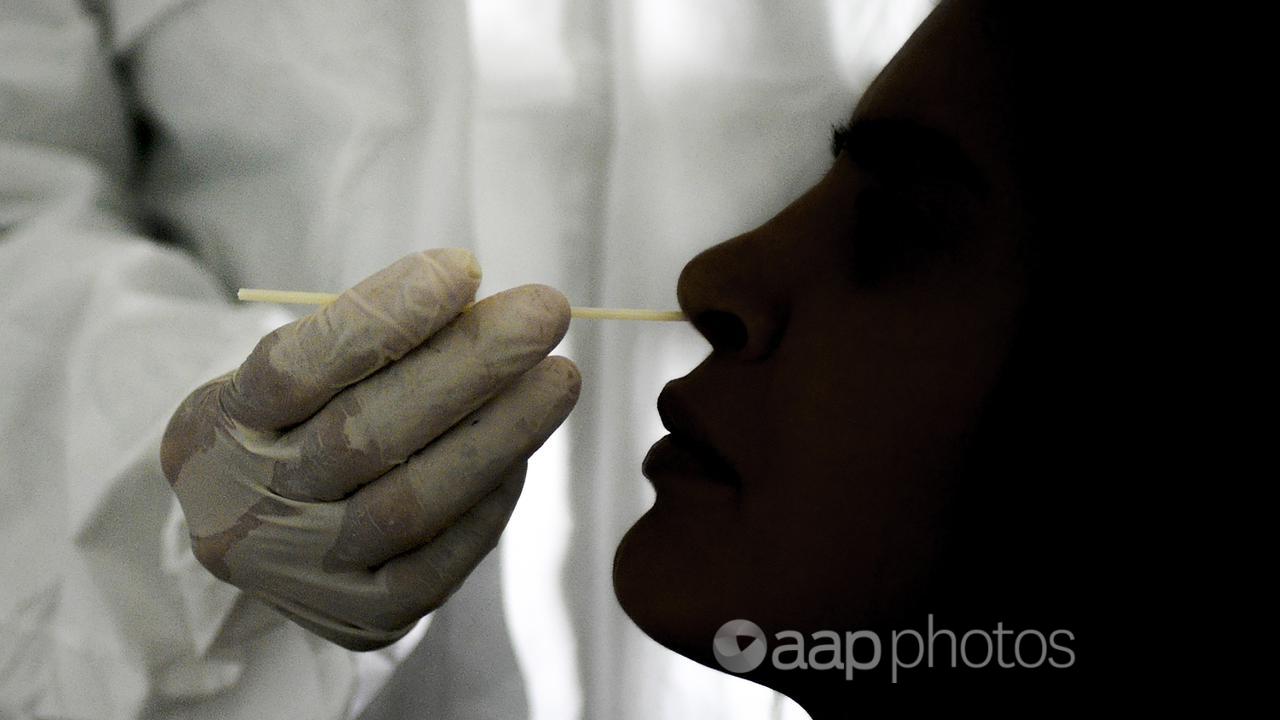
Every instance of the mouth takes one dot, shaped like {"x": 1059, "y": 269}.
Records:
{"x": 673, "y": 456}
{"x": 686, "y": 452}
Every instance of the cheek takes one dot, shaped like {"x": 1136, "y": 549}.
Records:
{"x": 855, "y": 473}
{"x": 891, "y": 386}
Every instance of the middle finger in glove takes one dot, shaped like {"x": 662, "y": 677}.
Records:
{"x": 378, "y": 423}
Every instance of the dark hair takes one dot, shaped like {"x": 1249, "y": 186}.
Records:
{"x": 1029, "y": 540}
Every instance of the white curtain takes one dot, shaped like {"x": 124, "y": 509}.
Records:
{"x": 612, "y": 141}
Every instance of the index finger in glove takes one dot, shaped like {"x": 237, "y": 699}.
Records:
{"x": 296, "y": 369}
{"x": 377, "y": 424}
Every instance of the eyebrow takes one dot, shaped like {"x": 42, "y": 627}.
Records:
{"x": 904, "y": 153}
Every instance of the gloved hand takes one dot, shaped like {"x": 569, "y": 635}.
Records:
{"x": 365, "y": 458}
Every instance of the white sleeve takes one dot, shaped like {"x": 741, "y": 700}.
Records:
{"x": 103, "y": 612}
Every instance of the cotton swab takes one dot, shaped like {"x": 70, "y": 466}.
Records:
{"x": 293, "y": 297}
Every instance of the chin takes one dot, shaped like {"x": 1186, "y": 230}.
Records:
{"x": 680, "y": 604}
{"x": 650, "y": 585}
{"x": 672, "y": 588}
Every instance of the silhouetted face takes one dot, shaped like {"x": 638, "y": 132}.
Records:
{"x": 854, "y": 338}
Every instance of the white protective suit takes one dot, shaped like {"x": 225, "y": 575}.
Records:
{"x": 156, "y": 154}
{"x": 287, "y": 145}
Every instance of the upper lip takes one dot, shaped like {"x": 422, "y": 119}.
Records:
{"x": 688, "y": 432}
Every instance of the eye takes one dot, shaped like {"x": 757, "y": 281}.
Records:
{"x": 896, "y": 233}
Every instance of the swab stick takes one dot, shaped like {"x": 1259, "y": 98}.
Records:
{"x": 293, "y": 297}
{"x": 285, "y": 297}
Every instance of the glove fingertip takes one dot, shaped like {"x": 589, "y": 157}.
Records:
{"x": 457, "y": 262}
{"x": 553, "y": 310}
{"x": 567, "y": 374}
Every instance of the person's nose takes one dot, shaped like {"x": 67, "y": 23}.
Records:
{"x": 735, "y": 295}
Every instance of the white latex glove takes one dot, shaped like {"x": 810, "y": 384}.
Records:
{"x": 365, "y": 458}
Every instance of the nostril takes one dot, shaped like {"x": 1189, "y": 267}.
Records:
{"x": 725, "y": 331}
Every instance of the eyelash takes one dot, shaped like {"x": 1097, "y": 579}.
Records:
{"x": 839, "y": 138}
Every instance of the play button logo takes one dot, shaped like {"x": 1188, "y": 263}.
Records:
{"x": 739, "y": 646}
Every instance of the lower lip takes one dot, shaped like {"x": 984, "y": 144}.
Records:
{"x": 673, "y": 468}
